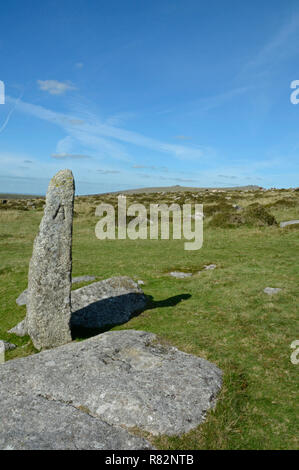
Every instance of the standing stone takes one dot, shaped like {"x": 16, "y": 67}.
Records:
{"x": 50, "y": 268}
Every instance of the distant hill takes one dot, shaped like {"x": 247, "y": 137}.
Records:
{"x": 158, "y": 189}
{"x": 178, "y": 188}
{"x": 20, "y": 196}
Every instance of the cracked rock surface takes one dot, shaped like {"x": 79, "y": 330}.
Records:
{"x": 38, "y": 423}
{"x": 89, "y": 394}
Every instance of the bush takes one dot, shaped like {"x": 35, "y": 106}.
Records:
{"x": 254, "y": 215}
{"x": 283, "y": 203}
{"x": 226, "y": 219}
{"x": 213, "y": 209}
{"x": 257, "y": 215}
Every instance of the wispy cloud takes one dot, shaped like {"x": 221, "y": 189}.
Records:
{"x": 94, "y": 133}
{"x": 182, "y": 137}
{"x": 120, "y": 118}
{"x": 79, "y": 65}
{"x": 231, "y": 177}
{"x": 6, "y": 121}
{"x": 69, "y": 156}
{"x": 151, "y": 167}
{"x": 281, "y": 45}
{"x": 215, "y": 101}
{"x": 109, "y": 172}
{"x": 54, "y": 87}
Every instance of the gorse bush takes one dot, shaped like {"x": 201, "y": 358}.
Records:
{"x": 254, "y": 215}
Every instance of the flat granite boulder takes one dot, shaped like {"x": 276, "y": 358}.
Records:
{"x": 37, "y": 423}
{"x": 119, "y": 380}
{"x": 22, "y": 299}
{"x": 109, "y": 302}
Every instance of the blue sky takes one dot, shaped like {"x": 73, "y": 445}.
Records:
{"x": 142, "y": 93}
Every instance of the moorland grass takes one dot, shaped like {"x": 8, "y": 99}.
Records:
{"x": 221, "y": 315}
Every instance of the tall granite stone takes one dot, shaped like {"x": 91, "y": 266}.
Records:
{"x": 50, "y": 269}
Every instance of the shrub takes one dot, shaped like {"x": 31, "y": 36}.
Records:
{"x": 254, "y": 215}
{"x": 285, "y": 202}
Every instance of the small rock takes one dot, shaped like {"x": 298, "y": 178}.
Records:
{"x": 237, "y": 207}
{"x": 288, "y": 222}
{"x": 180, "y": 275}
{"x": 210, "y": 266}
{"x": 20, "y": 329}
{"x": 22, "y": 299}
{"x": 272, "y": 290}
{"x": 8, "y": 346}
{"x": 140, "y": 283}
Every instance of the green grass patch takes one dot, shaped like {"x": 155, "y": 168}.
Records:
{"x": 222, "y": 315}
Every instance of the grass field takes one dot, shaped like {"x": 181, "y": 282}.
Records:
{"x": 222, "y": 315}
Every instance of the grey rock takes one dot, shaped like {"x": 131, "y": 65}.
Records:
{"x": 288, "y": 222}
{"x": 22, "y": 299}
{"x": 210, "y": 266}
{"x": 140, "y": 282}
{"x": 272, "y": 290}
{"x": 20, "y": 329}
{"x": 2, "y": 352}
{"x": 180, "y": 275}
{"x": 82, "y": 279}
{"x": 36, "y": 422}
{"x": 8, "y": 346}
{"x": 49, "y": 278}
{"x": 109, "y": 302}
{"x": 237, "y": 207}
{"x": 123, "y": 378}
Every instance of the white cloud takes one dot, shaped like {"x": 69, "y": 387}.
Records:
{"x": 54, "y": 87}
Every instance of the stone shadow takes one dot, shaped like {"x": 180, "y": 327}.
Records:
{"x": 99, "y": 317}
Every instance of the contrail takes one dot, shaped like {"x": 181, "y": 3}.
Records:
{"x": 10, "y": 113}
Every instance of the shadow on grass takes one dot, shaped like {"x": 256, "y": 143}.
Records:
{"x": 170, "y": 302}
{"x": 80, "y": 332}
